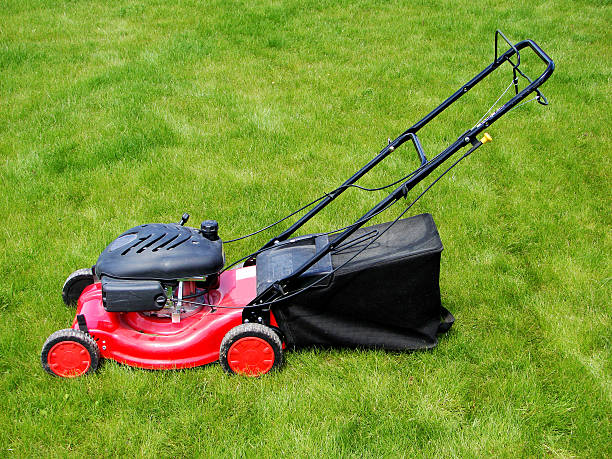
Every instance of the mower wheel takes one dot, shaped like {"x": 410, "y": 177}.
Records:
{"x": 69, "y": 353}
{"x": 251, "y": 350}
{"x": 75, "y": 284}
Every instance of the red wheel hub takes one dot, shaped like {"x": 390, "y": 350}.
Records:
{"x": 69, "y": 359}
{"x": 251, "y": 356}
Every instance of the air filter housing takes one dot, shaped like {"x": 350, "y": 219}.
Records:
{"x": 132, "y": 295}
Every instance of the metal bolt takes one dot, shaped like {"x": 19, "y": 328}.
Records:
{"x": 103, "y": 348}
{"x": 259, "y": 319}
{"x": 467, "y": 139}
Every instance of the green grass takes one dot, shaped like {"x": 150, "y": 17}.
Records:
{"x": 116, "y": 113}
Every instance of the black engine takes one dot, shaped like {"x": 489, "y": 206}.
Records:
{"x": 138, "y": 266}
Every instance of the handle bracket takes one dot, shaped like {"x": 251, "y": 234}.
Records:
{"x": 518, "y": 56}
{"x": 417, "y": 144}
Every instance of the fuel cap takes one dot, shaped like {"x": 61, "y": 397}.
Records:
{"x": 210, "y": 229}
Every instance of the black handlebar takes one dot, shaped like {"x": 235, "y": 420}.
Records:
{"x": 259, "y": 307}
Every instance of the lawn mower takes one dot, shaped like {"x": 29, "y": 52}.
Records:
{"x": 161, "y": 297}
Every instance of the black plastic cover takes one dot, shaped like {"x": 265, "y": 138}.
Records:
{"x": 387, "y": 297}
{"x": 279, "y": 262}
{"x": 162, "y": 252}
{"x": 132, "y": 295}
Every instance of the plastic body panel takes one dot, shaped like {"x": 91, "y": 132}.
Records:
{"x": 280, "y": 261}
{"x": 135, "y": 339}
{"x": 159, "y": 251}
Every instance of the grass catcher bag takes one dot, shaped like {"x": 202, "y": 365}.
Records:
{"x": 387, "y": 297}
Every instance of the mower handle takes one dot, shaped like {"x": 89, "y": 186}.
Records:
{"x": 515, "y": 49}
{"x": 540, "y": 53}
{"x": 467, "y": 137}
{"x": 550, "y": 66}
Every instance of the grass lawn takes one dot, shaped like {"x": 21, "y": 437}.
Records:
{"x": 117, "y": 113}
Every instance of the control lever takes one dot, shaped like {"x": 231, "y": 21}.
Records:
{"x": 184, "y": 219}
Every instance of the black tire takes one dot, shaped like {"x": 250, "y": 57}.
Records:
{"x": 262, "y": 332}
{"x": 75, "y": 284}
{"x": 65, "y": 337}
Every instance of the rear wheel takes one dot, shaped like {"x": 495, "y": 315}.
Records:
{"x": 251, "y": 350}
{"x": 69, "y": 353}
{"x": 75, "y": 284}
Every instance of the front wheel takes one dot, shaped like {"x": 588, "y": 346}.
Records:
{"x": 251, "y": 350}
{"x": 70, "y": 353}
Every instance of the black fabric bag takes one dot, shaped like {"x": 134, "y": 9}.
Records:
{"x": 387, "y": 297}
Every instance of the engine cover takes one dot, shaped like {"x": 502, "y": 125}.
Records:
{"x": 164, "y": 252}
